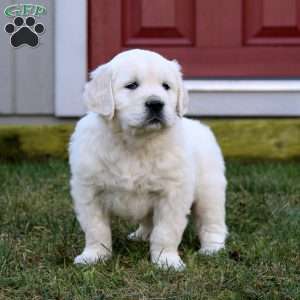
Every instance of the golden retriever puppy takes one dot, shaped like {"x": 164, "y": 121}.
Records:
{"x": 134, "y": 155}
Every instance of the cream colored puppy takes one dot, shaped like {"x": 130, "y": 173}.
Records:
{"x": 135, "y": 156}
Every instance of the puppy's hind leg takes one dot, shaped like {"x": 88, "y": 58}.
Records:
{"x": 94, "y": 222}
{"x": 209, "y": 213}
{"x": 144, "y": 230}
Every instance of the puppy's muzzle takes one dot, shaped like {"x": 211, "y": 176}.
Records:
{"x": 154, "y": 107}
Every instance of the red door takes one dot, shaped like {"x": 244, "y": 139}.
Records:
{"x": 210, "y": 38}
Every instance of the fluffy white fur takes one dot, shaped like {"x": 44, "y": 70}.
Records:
{"x": 153, "y": 174}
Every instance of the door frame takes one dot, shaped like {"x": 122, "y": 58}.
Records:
{"x": 225, "y": 97}
{"x": 70, "y": 56}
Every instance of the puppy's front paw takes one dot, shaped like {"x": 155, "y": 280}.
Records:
{"x": 168, "y": 260}
{"x": 212, "y": 248}
{"x": 91, "y": 256}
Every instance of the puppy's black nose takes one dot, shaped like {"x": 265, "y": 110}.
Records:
{"x": 154, "y": 106}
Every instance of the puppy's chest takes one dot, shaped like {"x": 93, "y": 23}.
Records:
{"x": 132, "y": 175}
{"x": 131, "y": 187}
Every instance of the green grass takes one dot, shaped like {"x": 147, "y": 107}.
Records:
{"x": 39, "y": 238}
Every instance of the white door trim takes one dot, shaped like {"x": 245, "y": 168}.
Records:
{"x": 70, "y": 56}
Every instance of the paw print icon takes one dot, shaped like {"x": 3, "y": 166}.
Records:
{"x": 24, "y": 31}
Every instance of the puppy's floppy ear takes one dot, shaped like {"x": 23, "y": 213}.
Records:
{"x": 182, "y": 94}
{"x": 98, "y": 94}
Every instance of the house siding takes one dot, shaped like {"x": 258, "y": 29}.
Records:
{"x": 27, "y": 74}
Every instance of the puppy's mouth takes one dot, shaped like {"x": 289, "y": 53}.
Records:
{"x": 155, "y": 121}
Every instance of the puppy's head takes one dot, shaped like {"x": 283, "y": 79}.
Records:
{"x": 139, "y": 88}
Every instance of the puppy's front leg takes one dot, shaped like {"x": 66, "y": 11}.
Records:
{"x": 169, "y": 222}
{"x": 94, "y": 222}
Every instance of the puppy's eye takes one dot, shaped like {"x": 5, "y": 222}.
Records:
{"x": 132, "y": 86}
{"x": 166, "y": 86}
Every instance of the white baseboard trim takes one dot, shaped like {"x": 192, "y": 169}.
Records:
{"x": 238, "y": 98}
{"x": 237, "y": 85}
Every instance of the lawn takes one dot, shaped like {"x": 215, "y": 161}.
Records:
{"x": 40, "y": 236}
